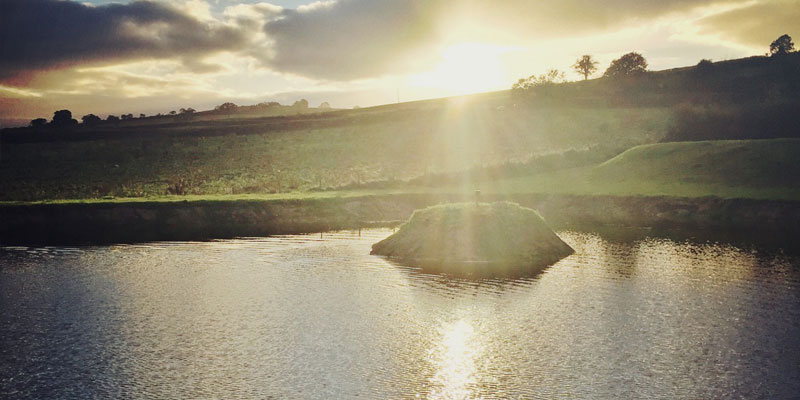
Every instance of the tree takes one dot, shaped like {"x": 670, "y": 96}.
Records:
{"x": 38, "y": 123}
{"x": 551, "y": 77}
{"x": 186, "y": 114}
{"x": 142, "y": 116}
{"x": 62, "y": 118}
{"x": 522, "y": 83}
{"x": 705, "y": 64}
{"x": 630, "y": 64}
{"x": 226, "y": 107}
{"x": 301, "y": 104}
{"x": 268, "y": 104}
{"x": 172, "y": 112}
{"x": 704, "y": 68}
{"x": 126, "y": 116}
{"x": 324, "y": 105}
{"x": 112, "y": 118}
{"x": 782, "y": 45}
{"x": 90, "y": 119}
{"x": 586, "y": 65}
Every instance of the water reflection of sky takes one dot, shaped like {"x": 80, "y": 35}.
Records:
{"x": 300, "y": 317}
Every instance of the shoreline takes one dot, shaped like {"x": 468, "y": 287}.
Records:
{"x": 136, "y": 221}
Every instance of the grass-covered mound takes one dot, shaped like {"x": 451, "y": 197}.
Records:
{"x": 469, "y": 238}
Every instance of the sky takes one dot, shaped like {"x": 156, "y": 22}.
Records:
{"x": 119, "y": 57}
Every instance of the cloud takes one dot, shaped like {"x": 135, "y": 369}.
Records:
{"x": 146, "y": 55}
{"x": 333, "y": 40}
{"x": 6, "y": 91}
{"x": 353, "y": 39}
{"x": 39, "y": 35}
{"x": 755, "y": 25}
{"x": 248, "y": 13}
{"x": 106, "y": 90}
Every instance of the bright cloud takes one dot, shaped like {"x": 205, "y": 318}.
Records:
{"x": 150, "y": 53}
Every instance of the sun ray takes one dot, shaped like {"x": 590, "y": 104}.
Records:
{"x": 466, "y": 68}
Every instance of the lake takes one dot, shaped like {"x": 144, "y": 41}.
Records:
{"x": 315, "y": 316}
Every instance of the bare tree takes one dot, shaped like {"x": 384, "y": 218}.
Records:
{"x": 586, "y": 65}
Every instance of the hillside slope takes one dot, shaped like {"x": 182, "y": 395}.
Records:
{"x": 765, "y": 169}
{"x": 314, "y": 156}
{"x": 309, "y": 152}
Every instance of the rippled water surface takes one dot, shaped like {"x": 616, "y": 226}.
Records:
{"x": 311, "y": 317}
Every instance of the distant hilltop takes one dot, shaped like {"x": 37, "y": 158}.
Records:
{"x": 746, "y": 80}
{"x": 64, "y": 120}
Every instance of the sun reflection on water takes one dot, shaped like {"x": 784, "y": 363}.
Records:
{"x": 298, "y": 317}
{"x": 456, "y": 358}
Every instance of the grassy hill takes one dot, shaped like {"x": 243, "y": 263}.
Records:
{"x": 765, "y": 169}
{"x": 244, "y": 154}
{"x": 752, "y": 169}
{"x": 314, "y": 156}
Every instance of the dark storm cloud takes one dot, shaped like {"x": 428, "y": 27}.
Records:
{"x": 350, "y": 39}
{"x": 38, "y": 35}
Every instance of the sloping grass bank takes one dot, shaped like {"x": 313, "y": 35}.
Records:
{"x": 120, "y": 222}
{"x": 754, "y": 169}
{"x": 309, "y": 157}
{"x": 700, "y": 185}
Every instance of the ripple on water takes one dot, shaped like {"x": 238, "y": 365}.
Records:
{"x": 317, "y": 317}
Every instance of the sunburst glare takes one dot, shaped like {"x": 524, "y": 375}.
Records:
{"x": 466, "y": 68}
{"x": 456, "y": 359}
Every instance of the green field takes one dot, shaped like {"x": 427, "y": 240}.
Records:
{"x": 436, "y": 139}
{"x": 760, "y": 169}
{"x": 755, "y": 169}
{"x": 601, "y": 136}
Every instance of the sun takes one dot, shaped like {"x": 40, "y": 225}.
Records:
{"x": 466, "y": 68}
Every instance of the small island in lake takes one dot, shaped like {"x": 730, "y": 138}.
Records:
{"x": 475, "y": 238}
